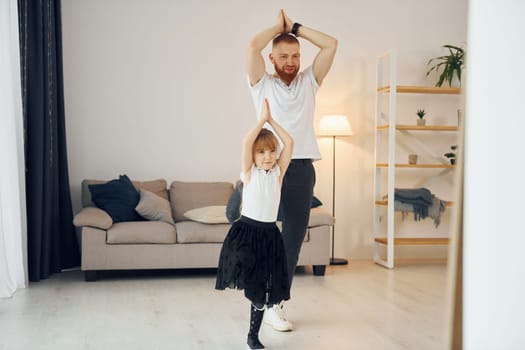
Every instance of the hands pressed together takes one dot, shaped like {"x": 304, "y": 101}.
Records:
{"x": 266, "y": 115}
{"x": 284, "y": 22}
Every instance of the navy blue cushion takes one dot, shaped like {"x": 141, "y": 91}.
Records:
{"x": 233, "y": 207}
{"x": 316, "y": 202}
{"x": 118, "y": 198}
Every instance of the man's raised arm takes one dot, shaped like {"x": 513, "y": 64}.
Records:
{"x": 255, "y": 60}
{"x": 326, "y": 43}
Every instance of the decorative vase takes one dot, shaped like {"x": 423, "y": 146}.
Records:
{"x": 412, "y": 159}
{"x": 421, "y": 122}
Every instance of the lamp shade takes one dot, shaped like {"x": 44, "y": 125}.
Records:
{"x": 334, "y": 125}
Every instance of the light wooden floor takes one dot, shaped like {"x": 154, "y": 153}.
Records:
{"x": 359, "y": 306}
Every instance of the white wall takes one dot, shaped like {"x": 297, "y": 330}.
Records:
{"x": 158, "y": 88}
{"x": 494, "y": 234}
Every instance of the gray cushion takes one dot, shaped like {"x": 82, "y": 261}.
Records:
{"x": 185, "y": 196}
{"x": 154, "y": 232}
{"x": 153, "y": 207}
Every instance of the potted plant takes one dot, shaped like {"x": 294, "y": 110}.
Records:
{"x": 452, "y": 65}
{"x": 452, "y": 155}
{"x": 421, "y": 115}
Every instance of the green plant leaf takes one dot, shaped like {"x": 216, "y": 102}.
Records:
{"x": 450, "y": 64}
{"x": 450, "y": 75}
{"x": 436, "y": 67}
{"x": 459, "y": 49}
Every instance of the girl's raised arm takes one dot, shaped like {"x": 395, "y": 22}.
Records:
{"x": 249, "y": 139}
{"x": 287, "y": 140}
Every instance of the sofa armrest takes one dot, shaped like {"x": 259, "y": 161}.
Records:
{"x": 320, "y": 217}
{"x": 93, "y": 217}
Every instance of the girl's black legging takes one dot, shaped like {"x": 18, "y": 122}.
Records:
{"x": 256, "y": 317}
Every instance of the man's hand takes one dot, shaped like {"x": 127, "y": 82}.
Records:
{"x": 280, "y": 21}
{"x": 287, "y": 23}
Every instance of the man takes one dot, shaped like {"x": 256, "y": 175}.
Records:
{"x": 291, "y": 95}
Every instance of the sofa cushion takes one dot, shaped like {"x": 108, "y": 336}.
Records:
{"x": 118, "y": 198}
{"x": 154, "y": 232}
{"x": 158, "y": 187}
{"x": 185, "y": 196}
{"x": 196, "y": 232}
{"x": 214, "y": 214}
{"x": 154, "y": 207}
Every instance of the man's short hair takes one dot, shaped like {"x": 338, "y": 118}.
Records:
{"x": 284, "y": 38}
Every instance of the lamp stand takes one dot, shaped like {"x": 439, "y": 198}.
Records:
{"x": 334, "y": 261}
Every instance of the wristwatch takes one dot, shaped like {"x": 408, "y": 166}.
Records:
{"x": 295, "y": 28}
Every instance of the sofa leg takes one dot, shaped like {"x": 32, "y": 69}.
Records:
{"x": 90, "y": 275}
{"x": 319, "y": 270}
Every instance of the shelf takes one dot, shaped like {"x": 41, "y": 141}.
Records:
{"x": 385, "y": 202}
{"x": 392, "y": 137}
{"x": 415, "y": 241}
{"x": 421, "y": 128}
{"x": 422, "y": 90}
{"x": 418, "y": 166}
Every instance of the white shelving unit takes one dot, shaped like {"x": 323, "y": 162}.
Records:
{"x": 386, "y": 127}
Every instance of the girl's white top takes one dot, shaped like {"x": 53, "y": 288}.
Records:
{"x": 262, "y": 194}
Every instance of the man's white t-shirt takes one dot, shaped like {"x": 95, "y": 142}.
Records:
{"x": 292, "y": 107}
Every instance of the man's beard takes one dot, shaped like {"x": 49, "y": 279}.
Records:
{"x": 286, "y": 77}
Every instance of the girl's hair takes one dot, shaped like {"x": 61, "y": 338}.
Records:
{"x": 265, "y": 140}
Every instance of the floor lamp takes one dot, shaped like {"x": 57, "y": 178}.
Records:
{"x": 334, "y": 125}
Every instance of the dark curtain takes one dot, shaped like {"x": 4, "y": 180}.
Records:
{"x": 52, "y": 244}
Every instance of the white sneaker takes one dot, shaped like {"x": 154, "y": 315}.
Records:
{"x": 276, "y": 317}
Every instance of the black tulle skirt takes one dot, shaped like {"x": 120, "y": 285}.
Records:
{"x": 253, "y": 259}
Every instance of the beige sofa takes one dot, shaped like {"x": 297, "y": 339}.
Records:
{"x": 186, "y": 244}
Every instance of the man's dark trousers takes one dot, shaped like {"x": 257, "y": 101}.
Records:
{"x": 294, "y": 210}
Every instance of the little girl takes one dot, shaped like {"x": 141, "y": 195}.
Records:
{"x": 252, "y": 256}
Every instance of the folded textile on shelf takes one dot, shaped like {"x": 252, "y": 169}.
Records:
{"x": 434, "y": 211}
{"x": 420, "y": 201}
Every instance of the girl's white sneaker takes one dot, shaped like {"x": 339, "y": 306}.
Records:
{"x": 276, "y": 317}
